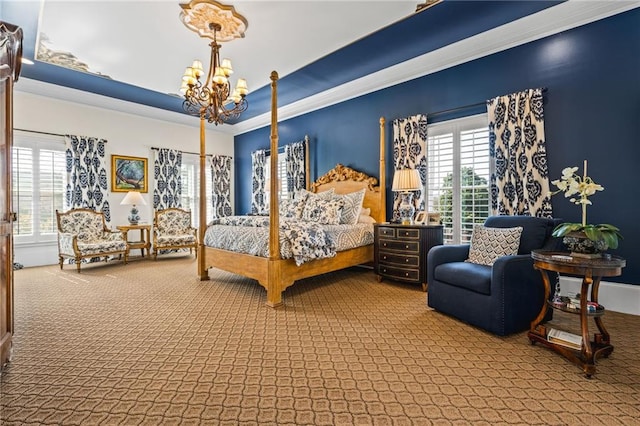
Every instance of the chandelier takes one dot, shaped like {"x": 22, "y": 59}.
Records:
{"x": 212, "y": 99}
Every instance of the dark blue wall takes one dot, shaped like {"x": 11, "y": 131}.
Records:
{"x": 592, "y": 111}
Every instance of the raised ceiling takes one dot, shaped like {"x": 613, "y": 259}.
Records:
{"x": 324, "y": 51}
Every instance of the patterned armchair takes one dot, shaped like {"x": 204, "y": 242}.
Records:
{"x": 82, "y": 233}
{"x": 172, "y": 230}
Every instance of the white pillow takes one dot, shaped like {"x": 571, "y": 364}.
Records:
{"x": 488, "y": 244}
{"x": 365, "y": 211}
{"x": 365, "y": 218}
{"x": 352, "y": 205}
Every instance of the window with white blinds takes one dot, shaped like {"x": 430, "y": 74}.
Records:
{"x": 190, "y": 197}
{"x": 458, "y": 175}
{"x": 282, "y": 176}
{"x": 39, "y": 183}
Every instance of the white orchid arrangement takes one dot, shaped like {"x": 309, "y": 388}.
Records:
{"x": 578, "y": 189}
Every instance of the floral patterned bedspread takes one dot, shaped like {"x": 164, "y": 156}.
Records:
{"x": 302, "y": 241}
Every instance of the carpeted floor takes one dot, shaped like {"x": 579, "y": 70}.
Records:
{"x": 148, "y": 343}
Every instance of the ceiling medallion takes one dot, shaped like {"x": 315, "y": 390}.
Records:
{"x": 199, "y": 14}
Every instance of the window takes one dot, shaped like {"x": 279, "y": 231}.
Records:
{"x": 458, "y": 175}
{"x": 39, "y": 184}
{"x": 282, "y": 176}
{"x": 190, "y": 197}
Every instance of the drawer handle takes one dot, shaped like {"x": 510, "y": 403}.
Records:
{"x": 384, "y": 270}
{"x": 384, "y": 257}
{"x": 385, "y": 244}
{"x": 406, "y": 260}
{"x": 407, "y": 246}
{"x": 406, "y": 274}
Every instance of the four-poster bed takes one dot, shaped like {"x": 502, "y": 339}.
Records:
{"x": 274, "y": 273}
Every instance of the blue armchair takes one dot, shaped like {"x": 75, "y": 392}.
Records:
{"x": 503, "y": 298}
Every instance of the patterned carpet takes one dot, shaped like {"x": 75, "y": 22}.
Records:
{"x": 148, "y": 343}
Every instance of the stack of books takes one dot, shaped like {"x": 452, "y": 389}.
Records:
{"x": 565, "y": 338}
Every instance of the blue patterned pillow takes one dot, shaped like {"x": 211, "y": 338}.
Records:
{"x": 488, "y": 244}
{"x": 352, "y": 206}
{"x": 324, "y": 212}
{"x": 292, "y": 208}
{"x": 324, "y": 195}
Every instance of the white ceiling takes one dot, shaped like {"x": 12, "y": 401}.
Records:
{"x": 144, "y": 43}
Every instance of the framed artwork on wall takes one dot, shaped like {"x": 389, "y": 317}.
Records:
{"x": 129, "y": 174}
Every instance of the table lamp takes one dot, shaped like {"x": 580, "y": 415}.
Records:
{"x": 132, "y": 198}
{"x": 405, "y": 181}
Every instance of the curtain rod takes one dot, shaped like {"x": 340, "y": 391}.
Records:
{"x": 268, "y": 151}
{"x": 281, "y": 148}
{"x": 42, "y": 133}
{"x": 54, "y": 134}
{"x": 477, "y": 104}
{"x": 192, "y": 153}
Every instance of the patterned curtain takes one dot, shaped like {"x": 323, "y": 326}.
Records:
{"x": 258, "y": 164}
{"x": 166, "y": 171}
{"x": 87, "y": 174}
{"x": 221, "y": 185}
{"x": 519, "y": 174}
{"x": 410, "y": 152}
{"x": 295, "y": 158}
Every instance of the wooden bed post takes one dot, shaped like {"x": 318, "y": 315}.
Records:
{"x": 383, "y": 180}
{"x": 307, "y": 166}
{"x": 202, "y": 272}
{"x": 274, "y": 223}
{"x": 274, "y": 289}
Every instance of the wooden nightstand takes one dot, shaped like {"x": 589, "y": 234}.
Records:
{"x": 145, "y": 238}
{"x": 400, "y": 251}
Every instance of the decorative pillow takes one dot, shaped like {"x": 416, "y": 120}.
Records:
{"x": 352, "y": 206}
{"x": 488, "y": 244}
{"x": 324, "y": 195}
{"x": 292, "y": 208}
{"x": 366, "y": 212}
{"x": 365, "y": 218}
{"x": 324, "y": 212}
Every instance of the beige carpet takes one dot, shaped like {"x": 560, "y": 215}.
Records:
{"x": 148, "y": 343}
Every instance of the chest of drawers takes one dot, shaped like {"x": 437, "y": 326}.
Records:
{"x": 400, "y": 251}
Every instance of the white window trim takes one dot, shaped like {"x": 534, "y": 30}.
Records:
{"x": 282, "y": 176}
{"x": 194, "y": 161}
{"x": 37, "y": 141}
{"x": 455, "y": 127}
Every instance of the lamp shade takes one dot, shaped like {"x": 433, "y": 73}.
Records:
{"x": 133, "y": 197}
{"x": 406, "y": 180}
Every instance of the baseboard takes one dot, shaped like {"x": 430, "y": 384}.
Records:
{"x": 615, "y": 297}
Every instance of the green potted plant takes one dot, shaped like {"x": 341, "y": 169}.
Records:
{"x": 583, "y": 237}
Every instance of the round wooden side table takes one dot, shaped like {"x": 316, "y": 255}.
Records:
{"x": 591, "y": 270}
